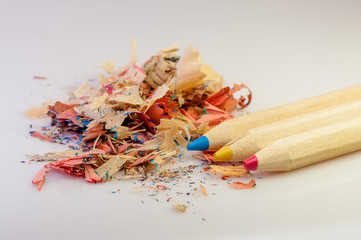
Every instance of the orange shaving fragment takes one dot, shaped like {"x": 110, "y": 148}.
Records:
{"x": 225, "y": 177}
{"x": 40, "y": 178}
{"x": 41, "y": 183}
{"x": 239, "y": 185}
{"x": 41, "y": 136}
{"x": 204, "y": 190}
{"x": 90, "y": 174}
{"x": 209, "y": 156}
{"x": 161, "y": 187}
{"x": 104, "y": 147}
{"x": 40, "y": 77}
{"x": 111, "y": 145}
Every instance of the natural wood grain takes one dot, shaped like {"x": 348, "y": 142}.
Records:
{"x": 230, "y": 129}
{"x": 255, "y": 139}
{"x": 311, "y": 147}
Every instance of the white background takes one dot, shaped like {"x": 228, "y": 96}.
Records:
{"x": 284, "y": 51}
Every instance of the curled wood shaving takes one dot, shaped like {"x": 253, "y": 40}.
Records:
{"x": 141, "y": 118}
{"x": 41, "y": 136}
{"x": 161, "y": 68}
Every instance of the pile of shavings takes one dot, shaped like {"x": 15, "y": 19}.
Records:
{"x": 141, "y": 118}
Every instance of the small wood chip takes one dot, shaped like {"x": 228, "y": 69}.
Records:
{"x": 180, "y": 207}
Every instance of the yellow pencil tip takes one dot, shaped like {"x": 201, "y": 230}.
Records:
{"x": 224, "y": 154}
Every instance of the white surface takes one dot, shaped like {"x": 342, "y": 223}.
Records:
{"x": 284, "y": 51}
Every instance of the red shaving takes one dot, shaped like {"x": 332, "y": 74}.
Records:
{"x": 162, "y": 187}
{"x": 104, "y": 147}
{"x": 94, "y": 132}
{"x": 68, "y": 162}
{"x": 209, "y": 156}
{"x": 214, "y": 115}
{"x": 40, "y": 136}
{"x": 136, "y": 121}
{"x": 149, "y": 125}
{"x": 123, "y": 148}
{"x": 154, "y": 112}
{"x": 224, "y": 99}
{"x": 60, "y": 107}
{"x": 225, "y": 177}
{"x": 111, "y": 145}
{"x": 133, "y": 153}
{"x": 41, "y": 183}
{"x": 144, "y": 159}
{"x": 219, "y": 97}
{"x": 239, "y": 185}
{"x": 39, "y": 176}
{"x": 188, "y": 115}
{"x": 90, "y": 175}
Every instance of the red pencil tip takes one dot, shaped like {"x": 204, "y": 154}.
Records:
{"x": 251, "y": 163}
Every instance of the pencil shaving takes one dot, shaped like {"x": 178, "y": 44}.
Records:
{"x": 141, "y": 118}
{"x": 85, "y": 91}
{"x": 38, "y": 112}
{"x": 189, "y": 73}
{"x": 240, "y": 185}
{"x": 180, "y": 207}
{"x": 230, "y": 171}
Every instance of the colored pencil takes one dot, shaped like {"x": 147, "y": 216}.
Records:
{"x": 255, "y": 139}
{"x": 308, "y": 148}
{"x": 230, "y": 129}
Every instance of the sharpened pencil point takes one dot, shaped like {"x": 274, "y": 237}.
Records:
{"x": 201, "y": 144}
{"x": 224, "y": 154}
{"x": 251, "y": 163}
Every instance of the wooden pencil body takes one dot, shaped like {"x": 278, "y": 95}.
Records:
{"x": 257, "y": 138}
{"x": 230, "y": 129}
{"x": 311, "y": 147}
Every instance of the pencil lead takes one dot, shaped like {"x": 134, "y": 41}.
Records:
{"x": 224, "y": 154}
{"x": 201, "y": 144}
{"x": 251, "y": 163}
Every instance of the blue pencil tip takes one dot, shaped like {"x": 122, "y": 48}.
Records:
{"x": 201, "y": 144}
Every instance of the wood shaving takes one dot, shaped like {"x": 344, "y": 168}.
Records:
{"x": 140, "y": 120}
{"x": 85, "y": 91}
{"x": 189, "y": 74}
{"x": 38, "y": 112}
{"x": 239, "y": 185}
{"x": 231, "y": 171}
{"x": 180, "y": 207}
